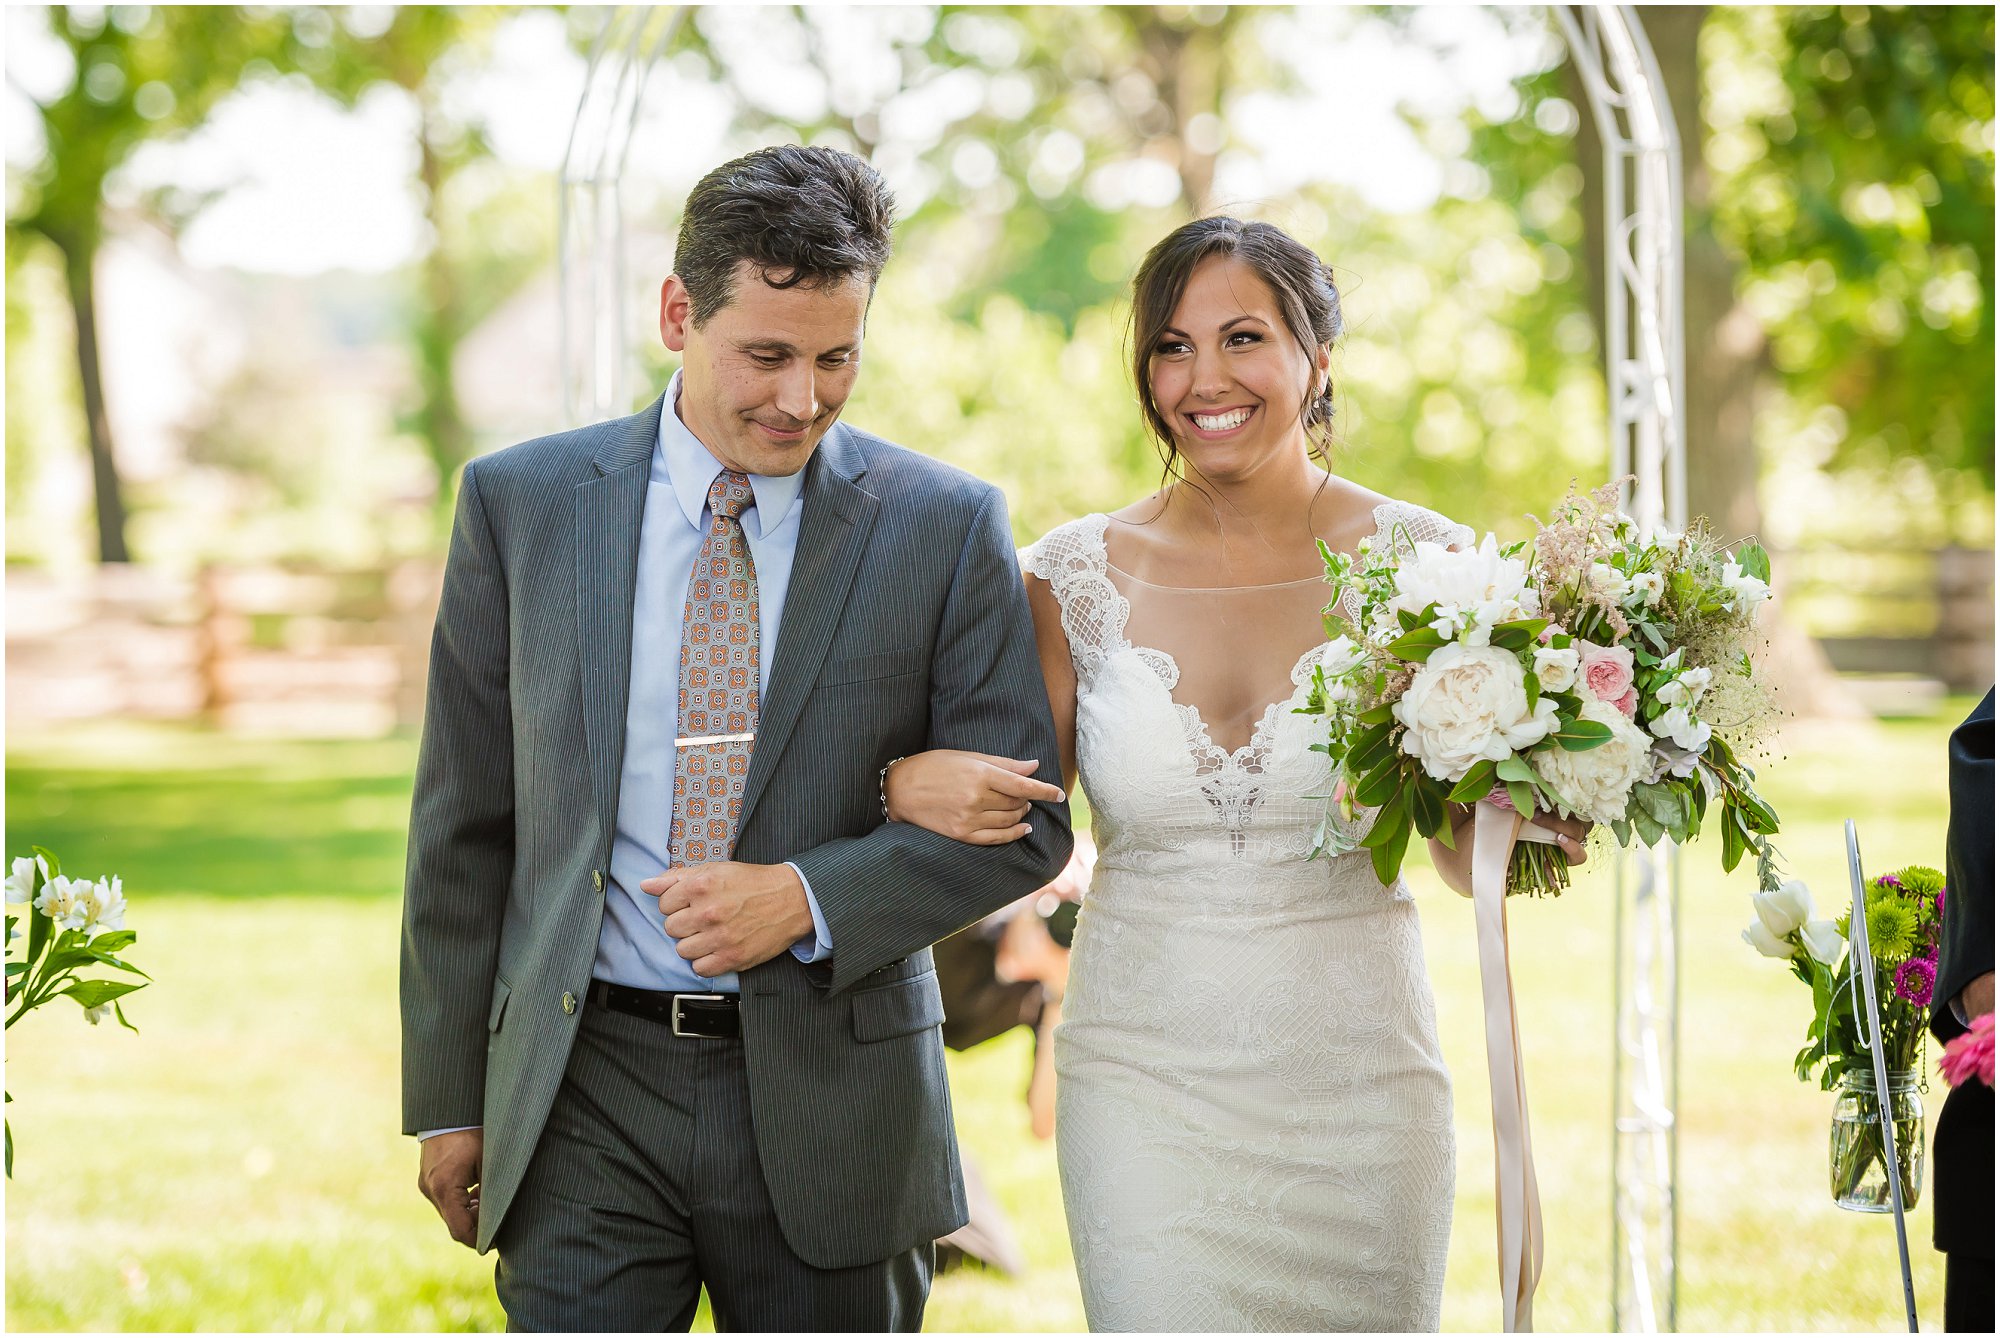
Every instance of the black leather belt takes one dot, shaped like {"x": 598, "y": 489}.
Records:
{"x": 708, "y": 1015}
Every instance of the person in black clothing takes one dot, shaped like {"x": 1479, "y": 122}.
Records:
{"x": 1962, "y": 1159}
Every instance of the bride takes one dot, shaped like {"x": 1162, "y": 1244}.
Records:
{"x": 1253, "y": 1118}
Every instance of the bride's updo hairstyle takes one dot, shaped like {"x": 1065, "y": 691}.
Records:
{"x": 1303, "y": 285}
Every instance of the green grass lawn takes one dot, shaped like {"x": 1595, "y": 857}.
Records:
{"x": 236, "y": 1165}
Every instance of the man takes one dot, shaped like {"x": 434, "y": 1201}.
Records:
{"x": 669, "y": 1013}
{"x": 1962, "y": 1174}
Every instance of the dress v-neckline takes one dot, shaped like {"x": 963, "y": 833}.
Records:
{"x": 1197, "y": 728}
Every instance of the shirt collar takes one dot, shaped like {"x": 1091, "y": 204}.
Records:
{"x": 685, "y": 465}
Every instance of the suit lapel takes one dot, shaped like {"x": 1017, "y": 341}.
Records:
{"x": 609, "y": 511}
{"x": 834, "y": 524}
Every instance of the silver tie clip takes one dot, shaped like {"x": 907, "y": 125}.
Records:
{"x": 703, "y": 740}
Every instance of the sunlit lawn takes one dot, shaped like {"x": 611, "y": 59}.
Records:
{"x": 237, "y": 1165}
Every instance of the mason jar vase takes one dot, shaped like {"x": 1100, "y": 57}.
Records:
{"x": 1857, "y": 1166}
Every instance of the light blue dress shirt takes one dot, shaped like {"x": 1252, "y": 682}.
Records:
{"x": 634, "y": 948}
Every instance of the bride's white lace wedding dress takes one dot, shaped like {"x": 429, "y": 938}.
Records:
{"x": 1253, "y": 1118}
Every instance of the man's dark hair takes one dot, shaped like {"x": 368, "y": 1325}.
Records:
{"x": 806, "y": 217}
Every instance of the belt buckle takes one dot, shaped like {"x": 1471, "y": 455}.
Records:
{"x": 675, "y": 1021}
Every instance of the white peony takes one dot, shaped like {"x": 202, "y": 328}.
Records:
{"x": 1746, "y": 592}
{"x": 1784, "y": 909}
{"x": 21, "y": 881}
{"x": 1597, "y": 782}
{"x": 1644, "y": 589}
{"x": 1474, "y": 588}
{"x": 1679, "y": 726}
{"x": 1467, "y": 703}
{"x": 1764, "y": 941}
{"x": 1556, "y": 668}
{"x": 1823, "y": 941}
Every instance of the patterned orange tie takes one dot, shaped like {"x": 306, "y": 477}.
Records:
{"x": 718, "y": 719}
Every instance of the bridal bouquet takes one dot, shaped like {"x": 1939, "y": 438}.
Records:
{"x": 1594, "y": 671}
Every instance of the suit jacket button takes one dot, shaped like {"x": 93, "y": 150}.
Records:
{"x": 569, "y": 1003}
{"x": 597, "y": 879}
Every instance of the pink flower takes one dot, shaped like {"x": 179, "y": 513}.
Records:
{"x": 1971, "y": 1055}
{"x": 1607, "y": 670}
{"x": 1629, "y": 703}
{"x": 1914, "y": 981}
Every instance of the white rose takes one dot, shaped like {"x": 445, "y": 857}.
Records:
{"x": 1556, "y": 668}
{"x": 1746, "y": 592}
{"x": 1467, "y": 703}
{"x": 1679, "y": 726}
{"x": 1645, "y": 589}
{"x": 1823, "y": 941}
{"x": 1597, "y": 782}
{"x": 1474, "y": 587}
{"x": 21, "y": 881}
{"x": 1784, "y": 910}
{"x": 1765, "y": 942}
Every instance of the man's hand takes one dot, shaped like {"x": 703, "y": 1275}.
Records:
{"x": 448, "y": 1174}
{"x": 730, "y": 916}
{"x": 1977, "y": 998}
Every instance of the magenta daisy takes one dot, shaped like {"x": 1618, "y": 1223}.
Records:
{"x": 1914, "y": 980}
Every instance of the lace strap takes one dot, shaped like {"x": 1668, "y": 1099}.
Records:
{"x": 1418, "y": 524}
{"x": 1071, "y": 558}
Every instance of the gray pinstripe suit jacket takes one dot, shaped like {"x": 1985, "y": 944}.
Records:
{"x": 905, "y": 628}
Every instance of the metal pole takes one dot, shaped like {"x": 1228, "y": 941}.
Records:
{"x": 1644, "y": 388}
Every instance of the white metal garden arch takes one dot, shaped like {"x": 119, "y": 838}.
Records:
{"x": 1646, "y": 387}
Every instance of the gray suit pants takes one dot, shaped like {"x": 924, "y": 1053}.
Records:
{"x": 646, "y": 1186}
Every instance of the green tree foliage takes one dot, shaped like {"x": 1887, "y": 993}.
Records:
{"x": 129, "y": 80}
{"x": 1852, "y": 150}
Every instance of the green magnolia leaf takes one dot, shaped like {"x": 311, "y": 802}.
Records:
{"x": 1380, "y": 715}
{"x": 1378, "y": 785}
{"x": 1649, "y": 831}
{"x": 1407, "y": 620}
{"x": 1623, "y": 831}
{"x": 1416, "y": 645}
{"x": 1391, "y": 816}
{"x": 1388, "y": 857}
{"x": 1511, "y": 638}
{"x": 1522, "y": 796}
{"x": 1514, "y": 769}
{"x": 1580, "y": 736}
{"x": 1427, "y": 806}
{"x": 1370, "y": 747}
{"x": 1473, "y": 786}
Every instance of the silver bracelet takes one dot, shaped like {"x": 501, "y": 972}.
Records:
{"x": 882, "y": 786}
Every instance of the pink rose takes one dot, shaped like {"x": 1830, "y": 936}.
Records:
{"x": 1608, "y": 672}
{"x": 1629, "y": 703}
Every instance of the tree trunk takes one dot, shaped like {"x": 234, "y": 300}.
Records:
{"x": 79, "y": 259}
{"x": 1728, "y": 358}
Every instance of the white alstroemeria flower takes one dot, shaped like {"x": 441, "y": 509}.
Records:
{"x": 1784, "y": 910}
{"x": 1679, "y": 725}
{"x": 1823, "y": 941}
{"x": 1644, "y": 589}
{"x": 1666, "y": 760}
{"x": 1764, "y": 941}
{"x": 96, "y": 1015}
{"x": 21, "y": 881}
{"x": 103, "y": 903}
{"x": 58, "y": 899}
{"x": 1556, "y": 669}
{"x": 1745, "y": 591}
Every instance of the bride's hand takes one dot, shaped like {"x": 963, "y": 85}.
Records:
{"x": 971, "y": 797}
{"x": 1572, "y": 834}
